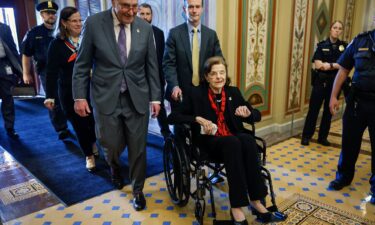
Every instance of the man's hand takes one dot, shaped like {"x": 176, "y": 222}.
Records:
{"x": 177, "y": 93}
{"x": 27, "y": 78}
{"x": 81, "y": 107}
{"x": 242, "y": 111}
{"x": 155, "y": 108}
{"x": 333, "y": 105}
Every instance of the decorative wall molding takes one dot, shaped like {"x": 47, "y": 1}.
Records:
{"x": 322, "y": 12}
{"x": 297, "y": 56}
{"x": 254, "y": 72}
{"x": 348, "y": 21}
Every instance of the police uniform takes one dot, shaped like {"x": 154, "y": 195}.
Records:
{"x": 322, "y": 82}
{"x": 360, "y": 110}
{"x": 35, "y": 44}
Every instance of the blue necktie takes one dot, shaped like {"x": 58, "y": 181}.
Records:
{"x": 122, "y": 47}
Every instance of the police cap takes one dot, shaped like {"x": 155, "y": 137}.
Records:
{"x": 47, "y": 6}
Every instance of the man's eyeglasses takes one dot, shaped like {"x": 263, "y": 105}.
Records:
{"x": 126, "y": 6}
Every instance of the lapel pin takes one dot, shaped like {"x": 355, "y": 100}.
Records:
{"x": 137, "y": 30}
{"x": 230, "y": 98}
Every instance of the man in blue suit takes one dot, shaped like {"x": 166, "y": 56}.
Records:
{"x": 118, "y": 47}
{"x": 145, "y": 12}
{"x": 10, "y": 68}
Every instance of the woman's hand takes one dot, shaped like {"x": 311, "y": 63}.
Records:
{"x": 49, "y": 103}
{"x": 208, "y": 126}
{"x": 242, "y": 111}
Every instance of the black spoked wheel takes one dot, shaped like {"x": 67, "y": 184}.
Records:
{"x": 176, "y": 172}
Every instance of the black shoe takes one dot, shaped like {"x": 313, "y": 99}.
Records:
{"x": 64, "y": 134}
{"x": 338, "y": 184}
{"x": 117, "y": 180}
{"x": 216, "y": 178}
{"x": 270, "y": 217}
{"x": 12, "y": 133}
{"x": 139, "y": 202}
{"x": 243, "y": 222}
{"x": 305, "y": 141}
{"x": 324, "y": 142}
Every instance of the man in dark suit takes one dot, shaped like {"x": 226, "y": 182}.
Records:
{"x": 10, "y": 67}
{"x": 119, "y": 48}
{"x": 145, "y": 12}
{"x": 178, "y": 61}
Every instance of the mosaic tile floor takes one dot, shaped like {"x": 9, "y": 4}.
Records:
{"x": 294, "y": 168}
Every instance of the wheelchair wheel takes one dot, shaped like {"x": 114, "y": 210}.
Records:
{"x": 176, "y": 172}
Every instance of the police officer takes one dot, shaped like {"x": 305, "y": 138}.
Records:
{"x": 10, "y": 67}
{"x": 35, "y": 44}
{"x": 324, "y": 59}
{"x": 360, "y": 109}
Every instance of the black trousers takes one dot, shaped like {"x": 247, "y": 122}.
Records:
{"x": 162, "y": 120}
{"x": 84, "y": 127}
{"x": 358, "y": 115}
{"x": 321, "y": 92}
{"x": 240, "y": 156}
{"x": 7, "y": 105}
{"x": 57, "y": 116}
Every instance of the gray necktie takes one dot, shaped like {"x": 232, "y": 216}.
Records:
{"x": 122, "y": 47}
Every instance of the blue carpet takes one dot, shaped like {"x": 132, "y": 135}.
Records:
{"x": 60, "y": 165}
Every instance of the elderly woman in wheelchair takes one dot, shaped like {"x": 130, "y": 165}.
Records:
{"x": 216, "y": 111}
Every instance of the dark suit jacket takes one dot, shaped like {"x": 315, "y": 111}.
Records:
{"x": 160, "y": 46}
{"x": 198, "y": 104}
{"x": 99, "y": 51}
{"x": 10, "y": 48}
{"x": 177, "y": 61}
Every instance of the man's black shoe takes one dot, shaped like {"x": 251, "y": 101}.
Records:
{"x": 118, "y": 183}
{"x": 117, "y": 180}
{"x": 324, "y": 142}
{"x": 305, "y": 141}
{"x": 64, "y": 134}
{"x": 139, "y": 202}
{"x": 338, "y": 185}
{"x": 12, "y": 133}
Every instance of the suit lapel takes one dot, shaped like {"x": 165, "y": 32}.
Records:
{"x": 184, "y": 35}
{"x": 109, "y": 32}
{"x": 136, "y": 34}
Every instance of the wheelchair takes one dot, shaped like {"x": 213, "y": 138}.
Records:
{"x": 183, "y": 161}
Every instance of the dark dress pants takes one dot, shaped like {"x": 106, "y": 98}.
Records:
{"x": 7, "y": 104}
{"x": 84, "y": 127}
{"x": 355, "y": 121}
{"x": 162, "y": 120}
{"x": 320, "y": 93}
{"x": 240, "y": 156}
{"x": 125, "y": 127}
{"x": 57, "y": 116}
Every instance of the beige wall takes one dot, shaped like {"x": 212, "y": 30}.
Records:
{"x": 227, "y": 29}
